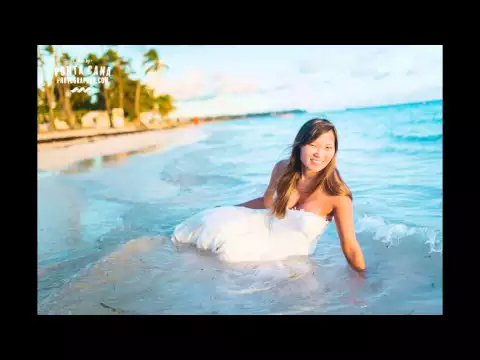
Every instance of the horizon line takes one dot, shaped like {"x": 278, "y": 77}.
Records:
{"x": 346, "y": 108}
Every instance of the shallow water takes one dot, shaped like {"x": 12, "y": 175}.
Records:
{"x": 104, "y": 224}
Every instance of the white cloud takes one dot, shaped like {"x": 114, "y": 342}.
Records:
{"x": 324, "y": 78}
{"x": 195, "y": 84}
{"x": 192, "y": 84}
{"x": 232, "y": 84}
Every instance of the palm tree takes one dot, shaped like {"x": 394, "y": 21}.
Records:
{"x": 105, "y": 88}
{"x": 48, "y": 93}
{"x": 152, "y": 59}
{"x": 165, "y": 104}
{"x": 95, "y": 61}
{"x": 137, "y": 104}
{"x": 63, "y": 89}
{"x": 67, "y": 105}
{"x": 50, "y": 50}
{"x": 119, "y": 65}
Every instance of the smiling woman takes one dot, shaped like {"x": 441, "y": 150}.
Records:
{"x": 304, "y": 194}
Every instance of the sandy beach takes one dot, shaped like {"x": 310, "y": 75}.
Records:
{"x": 57, "y": 156}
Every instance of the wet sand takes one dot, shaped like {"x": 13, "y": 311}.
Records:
{"x": 59, "y": 155}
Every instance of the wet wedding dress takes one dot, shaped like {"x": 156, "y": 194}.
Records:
{"x": 239, "y": 234}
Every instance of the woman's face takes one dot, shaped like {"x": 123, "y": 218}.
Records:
{"x": 317, "y": 155}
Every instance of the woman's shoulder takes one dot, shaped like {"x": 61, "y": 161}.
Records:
{"x": 340, "y": 201}
{"x": 331, "y": 204}
{"x": 281, "y": 165}
{"x": 278, "y": 170}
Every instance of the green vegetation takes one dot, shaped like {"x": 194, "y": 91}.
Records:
{"x": 56, "y": 100}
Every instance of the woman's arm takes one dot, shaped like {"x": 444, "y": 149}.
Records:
{"x": 343, "y": 214}
{"x": 254, "y": 204}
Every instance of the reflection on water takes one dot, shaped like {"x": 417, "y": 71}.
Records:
{"x": 108, "y": 160}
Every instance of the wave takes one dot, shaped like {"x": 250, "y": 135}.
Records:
{"x": 425, "y": 120}
{"x": 418, "y": 138}
{"x": 409, "y": 148}
{"x": 395, "y": 234}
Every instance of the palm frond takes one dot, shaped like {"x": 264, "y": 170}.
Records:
{"x": 49, "y": 49}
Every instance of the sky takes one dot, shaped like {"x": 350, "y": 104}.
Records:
{"x": 209, "y": 80}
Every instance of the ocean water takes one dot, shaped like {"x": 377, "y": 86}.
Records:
{"x": 104, "y": 224}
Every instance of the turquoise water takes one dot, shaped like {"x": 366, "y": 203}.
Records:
{"x": 103, "y": 224}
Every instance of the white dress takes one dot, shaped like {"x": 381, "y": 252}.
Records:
{"x": 240, "y": 234}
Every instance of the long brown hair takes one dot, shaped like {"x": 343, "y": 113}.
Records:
{"x": 328, "y": 179}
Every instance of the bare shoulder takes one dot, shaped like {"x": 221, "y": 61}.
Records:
{"x": 281, "y": 165}
{"x": 277, "y": 173}
{"x": 329, "y": 204}
{"x": 341, "y": 200}
{"x": 341, "y": 203}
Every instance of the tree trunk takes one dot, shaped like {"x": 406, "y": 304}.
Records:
{"x": 67, "y": 106}
{"x": 49, "y": 94}
{"x": 107, "y": 100}
{"x": 137, "y": 105}
{"x": 51, "y": 120}
{"x": 105, "y": 95}
{"x": 120, "y": 92}
{"x": 63, "y": 94}
{"x": 72, "y": 121}
{"x": 120, "y": 84}
{"x": 61, "y": 97}
{"x": 58, "y": 85}
{"x": 107, "y": 105}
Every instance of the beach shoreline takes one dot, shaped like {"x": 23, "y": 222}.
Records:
{"x": 59, "y": 155}
{"x": 56, "y": 151}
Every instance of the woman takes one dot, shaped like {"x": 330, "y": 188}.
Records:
{"x": 304, "y": 194}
